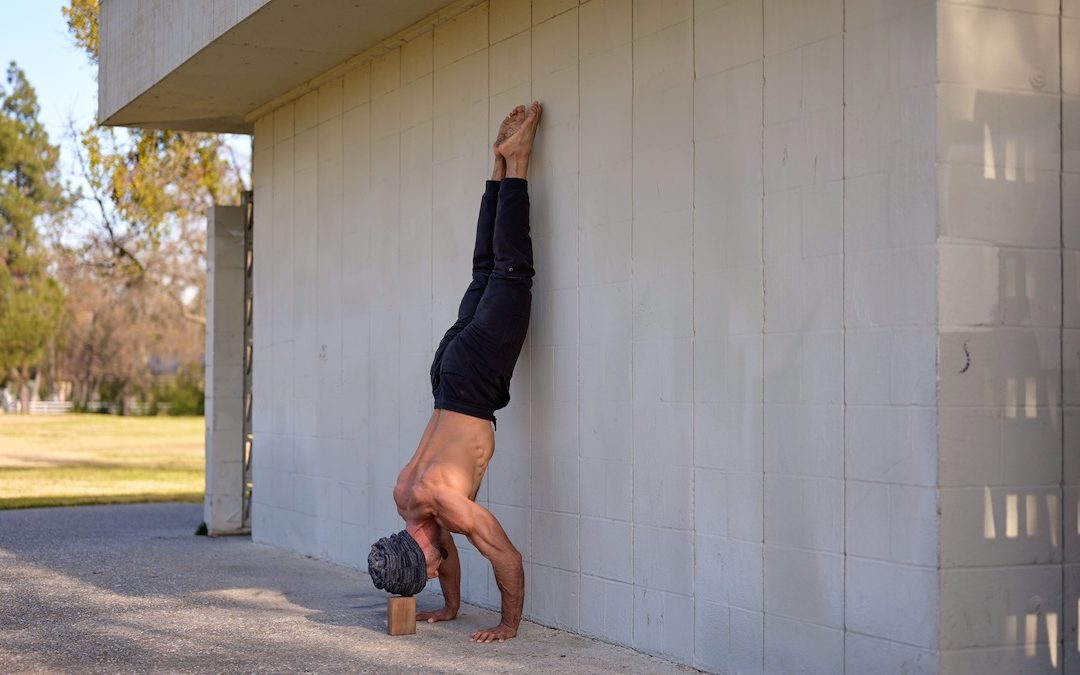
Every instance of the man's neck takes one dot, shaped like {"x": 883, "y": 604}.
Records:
{"x": 424, "y": 532}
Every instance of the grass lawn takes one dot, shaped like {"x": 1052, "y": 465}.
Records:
{"x": 57, "y": 460}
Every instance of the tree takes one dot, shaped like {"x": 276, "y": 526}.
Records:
{"x": 140, "y": 258}
{"x": 82, "y": 19}
{"x": 115, "y": 332}
{"x": 150, "y": 190}
{"x": 31, "y": 301}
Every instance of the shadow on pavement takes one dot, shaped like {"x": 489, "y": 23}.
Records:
{"x": 130, "y": 588}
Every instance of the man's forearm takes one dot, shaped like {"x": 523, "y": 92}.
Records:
{"x": 458, "y": 513}
{"x": 450, "y": 578}
{"x": 510, "y": 577}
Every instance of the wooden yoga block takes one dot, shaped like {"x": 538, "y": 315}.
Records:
{"x": 401, "y": 615}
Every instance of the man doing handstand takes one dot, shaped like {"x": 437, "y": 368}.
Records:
{"x": 470, "y": 380}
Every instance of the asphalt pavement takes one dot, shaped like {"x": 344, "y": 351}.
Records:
{"x": 130, "y": 589}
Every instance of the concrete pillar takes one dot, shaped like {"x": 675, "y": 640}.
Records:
{"x": 223, "y": 507}
{"x": 1007, "y": 362}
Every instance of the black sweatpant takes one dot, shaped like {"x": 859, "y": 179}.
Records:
{"x": 475, "y": 359}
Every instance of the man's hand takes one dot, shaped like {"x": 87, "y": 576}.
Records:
{"x": 449, "y": 581}
{"x": 444, "y": 614}
{"x": 502, "y": 632}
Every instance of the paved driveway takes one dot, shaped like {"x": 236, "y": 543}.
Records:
{"x": 130, "y": 589}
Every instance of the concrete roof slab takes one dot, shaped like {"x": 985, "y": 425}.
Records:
{"x": 204, "y": 65}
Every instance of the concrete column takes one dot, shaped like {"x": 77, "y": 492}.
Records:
{"x": 223, "y": 508}
{"x": 1070, "y": 333}
{"x": 1008, "y": 599}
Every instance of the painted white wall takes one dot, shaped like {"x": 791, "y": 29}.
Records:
{"x": 223, "y": 505}
{"x": 1070, "y": 333}
{"x": 1008, "y": 232}
{"x": 757, "y": 224}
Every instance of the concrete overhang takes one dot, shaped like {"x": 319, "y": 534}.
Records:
{"x": 204, "y": 65}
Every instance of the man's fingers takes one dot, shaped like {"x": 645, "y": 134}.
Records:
{"x": 432, "y": 617}
{"x": 487, "y": 636}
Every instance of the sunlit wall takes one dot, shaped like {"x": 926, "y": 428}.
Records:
{"x": 1009, "y": 309}
{"x": 797, "y": 391}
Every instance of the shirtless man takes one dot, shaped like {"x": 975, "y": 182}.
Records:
{"x": 470, "y": 379}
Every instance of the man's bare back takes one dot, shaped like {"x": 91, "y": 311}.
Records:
{"x": 435, "y": 491}
{"x": 453, "y": 454}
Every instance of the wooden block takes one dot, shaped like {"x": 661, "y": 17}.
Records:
{"x": 401, "y": 615}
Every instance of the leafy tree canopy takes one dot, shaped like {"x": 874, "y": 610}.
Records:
{"x": 82, "y": 19}
{"x": 29, "y": 179}
{"x": 132, "y": 254}
{"x": 149, "y": 191}
{"x": 31, "y": 301}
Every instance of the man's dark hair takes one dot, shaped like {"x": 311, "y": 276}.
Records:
{"x": 397, "y": 564}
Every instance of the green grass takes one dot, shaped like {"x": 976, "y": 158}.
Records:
{"x": 99, "y": 459}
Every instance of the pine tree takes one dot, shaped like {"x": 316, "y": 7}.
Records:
{"x": 31, "y": 301}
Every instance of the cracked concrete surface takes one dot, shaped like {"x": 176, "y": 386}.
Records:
{"x": 129, "y": 588}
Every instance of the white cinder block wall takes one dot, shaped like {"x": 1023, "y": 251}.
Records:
{"x": 1070, "y": 325}
{"x": 223, "y": 505}
{"x": 723, "y": 442}
{"x": 1008, "y": 232}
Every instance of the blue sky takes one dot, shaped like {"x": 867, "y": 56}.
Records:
{"x": 33, "y": 33}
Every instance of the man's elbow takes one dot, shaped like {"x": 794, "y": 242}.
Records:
{"x": 402, "y": 489}
{"x": 508, "y": 556}
{"x": 515, "y": 559}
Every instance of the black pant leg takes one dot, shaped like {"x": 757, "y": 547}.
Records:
{"x": 480, "y": 360}
{"x": 503, "y": 313}
{"x": 483, "y": 251}
{"x": 512, "y": 242}
{"x": 483, "y": 264}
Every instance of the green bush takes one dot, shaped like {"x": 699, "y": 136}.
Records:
{"x": 182, "y": 394}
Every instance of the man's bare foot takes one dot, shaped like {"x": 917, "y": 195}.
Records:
{"x": 517, "y": 148}
{"x": 502, "y": 632}
{"x": 444, "y": 614}
{"x": 510, "y": 124}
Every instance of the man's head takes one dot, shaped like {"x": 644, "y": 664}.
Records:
{"x": 400, "y": 565}
{"x": 397, "y": 564}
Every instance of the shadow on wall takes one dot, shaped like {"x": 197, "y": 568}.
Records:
{"x": 1007, "y": 374}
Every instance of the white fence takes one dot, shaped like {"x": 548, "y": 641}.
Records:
{"x": 50, "y": 407}
{"x": 58, "y": 408}
{"x": 39, "y": 407}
